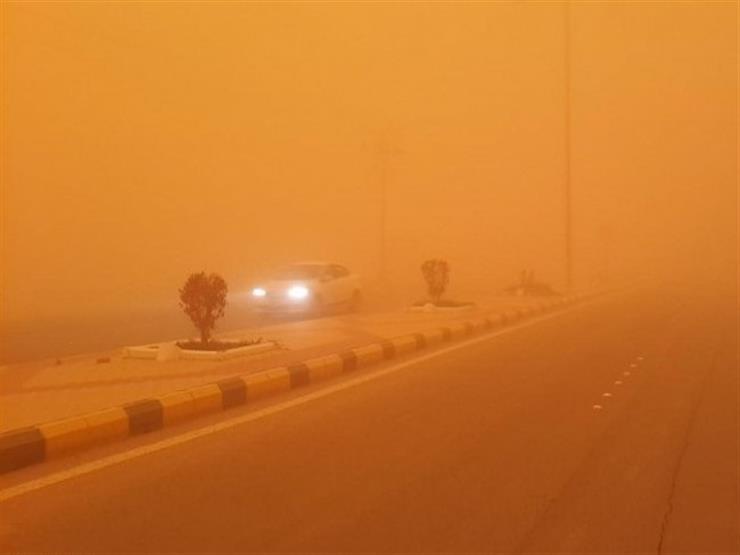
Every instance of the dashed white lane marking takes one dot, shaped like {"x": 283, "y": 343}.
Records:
{"x": 93, "y": 466}
{"x": 618, "y": 382}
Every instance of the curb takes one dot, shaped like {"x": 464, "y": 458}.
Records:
{"x": 51, "y": 440}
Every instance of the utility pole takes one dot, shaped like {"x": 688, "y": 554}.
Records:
{"x": 606, "y": 246}
{"x": 384, "y": 153}
{"x": 567, "y": 176}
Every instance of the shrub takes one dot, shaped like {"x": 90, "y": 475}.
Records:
{"x": 203, "y": 299}
{"x": 529, "y": 286}
{"x": 215, "y": 345}
{"x": 437, "y": 275}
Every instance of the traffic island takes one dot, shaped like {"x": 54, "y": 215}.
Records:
{"x": 194, "y": 350}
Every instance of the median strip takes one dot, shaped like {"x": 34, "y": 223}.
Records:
{"x": 31, "y": 445}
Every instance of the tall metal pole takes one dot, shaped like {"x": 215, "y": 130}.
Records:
{"x": 567, "y": 187}
{"x": 385, "y": 152}
{"x": 384, "y": 155}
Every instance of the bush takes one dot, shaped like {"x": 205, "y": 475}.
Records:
{"x": 528, "y": 286}
{"x": 203, "y": 299}
{"x": 215, "y": 345}
{"x": 437, "y": 275}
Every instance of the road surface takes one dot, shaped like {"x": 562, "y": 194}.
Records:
{"x": 609, "y": 428}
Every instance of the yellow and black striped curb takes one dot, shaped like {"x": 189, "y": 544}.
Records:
{"x": 26, "y": 446}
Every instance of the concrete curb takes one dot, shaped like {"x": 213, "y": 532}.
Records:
{"x": 35, "y": 444}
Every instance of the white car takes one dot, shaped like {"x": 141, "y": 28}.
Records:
{"x": 308, "y": 287}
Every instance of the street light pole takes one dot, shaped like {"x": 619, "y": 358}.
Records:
{"x": 384, "y": 155}
{"x": 384, "y": 152}
{"x": 567, "y": 176}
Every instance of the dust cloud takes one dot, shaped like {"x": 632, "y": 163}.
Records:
{"x": 144, "y": 141}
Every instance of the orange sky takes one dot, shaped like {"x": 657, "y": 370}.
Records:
{"x": 143, "y": 141}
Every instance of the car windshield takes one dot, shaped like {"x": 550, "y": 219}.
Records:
{"x": 300, "y": 271}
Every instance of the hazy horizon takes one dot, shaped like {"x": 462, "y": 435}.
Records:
{"x": 145, "y": 141}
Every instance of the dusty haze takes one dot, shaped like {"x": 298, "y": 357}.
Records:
{"x": 144, "y": 141}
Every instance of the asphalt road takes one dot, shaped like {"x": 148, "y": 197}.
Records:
{"x": 495, "y": 447}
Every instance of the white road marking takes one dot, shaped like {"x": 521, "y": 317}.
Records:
{"x": 607, "y": 394}
{"x": 633, "y": 365}
{"x": 640, "y": 358}
{"x": 105, "y": 462}
{"x": 626, "y": 373}
{"x": 618, "y": 382}
{"x": 597, "y": 407}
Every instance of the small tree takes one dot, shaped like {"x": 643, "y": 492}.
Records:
{"x": 203, "y": 298}
{"x": 437, "y": 275}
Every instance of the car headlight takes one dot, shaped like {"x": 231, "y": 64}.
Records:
{"x": 298, "y": 292}
{"x": 258, "y": 292}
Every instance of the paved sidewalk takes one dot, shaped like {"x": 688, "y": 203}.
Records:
{"x": 32, "y": 393}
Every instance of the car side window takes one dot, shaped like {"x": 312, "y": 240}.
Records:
{"x": 339, "y": 271}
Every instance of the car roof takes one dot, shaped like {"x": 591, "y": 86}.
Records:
{"x": 314, "y": 263}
